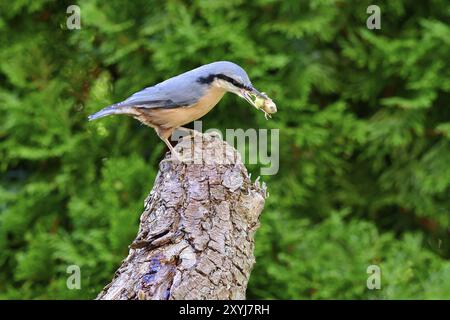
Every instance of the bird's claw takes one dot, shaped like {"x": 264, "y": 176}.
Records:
{"x": 176, "y": 159}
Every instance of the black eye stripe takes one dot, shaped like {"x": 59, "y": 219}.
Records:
{"x": 230, "y": 80}
{"x": 206, "y": 80}
{"x": 212, "y": 77}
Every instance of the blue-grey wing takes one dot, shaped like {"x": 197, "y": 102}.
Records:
{"x": 172, "y": 93}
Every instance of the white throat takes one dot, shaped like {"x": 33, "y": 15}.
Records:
{"x": 225, "y": 85}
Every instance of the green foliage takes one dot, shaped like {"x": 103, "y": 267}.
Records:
{"x": 364, "y": 129}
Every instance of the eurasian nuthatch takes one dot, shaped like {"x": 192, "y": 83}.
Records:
{"x": 185, "y": 98}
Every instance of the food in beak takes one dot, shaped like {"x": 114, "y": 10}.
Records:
{"x": 267, "y": 105}
{"x": 261, "y": 102}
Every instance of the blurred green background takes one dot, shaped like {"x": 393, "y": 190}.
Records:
{"x": 364, "y": 123}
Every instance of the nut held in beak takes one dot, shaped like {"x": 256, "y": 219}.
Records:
{"x": 267, "y": 105}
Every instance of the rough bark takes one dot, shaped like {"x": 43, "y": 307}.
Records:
{"x": 196, "y": 234}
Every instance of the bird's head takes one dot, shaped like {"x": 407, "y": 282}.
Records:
{"x": 232, "y": 78}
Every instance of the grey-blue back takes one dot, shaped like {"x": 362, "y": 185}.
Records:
{"x": 182, "y": 90}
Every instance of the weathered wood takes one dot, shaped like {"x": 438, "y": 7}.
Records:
{"x": 196, "y": 235}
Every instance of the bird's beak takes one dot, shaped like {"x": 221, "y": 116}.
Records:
{"x": 262, "y": 101}
{"x": 247, "y": 95}
{"x": 259, "y": 94}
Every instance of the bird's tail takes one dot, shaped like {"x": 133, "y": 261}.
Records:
{"x": 113, "y": 109}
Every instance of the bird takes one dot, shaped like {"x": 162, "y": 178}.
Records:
{"x": 179, "y": 100}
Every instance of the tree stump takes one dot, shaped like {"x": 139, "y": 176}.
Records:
{"x": 196, "y": 234}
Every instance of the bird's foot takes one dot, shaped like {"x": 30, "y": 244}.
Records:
{"x": 176, "y": 159}
{"x": 191, "y": 132}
